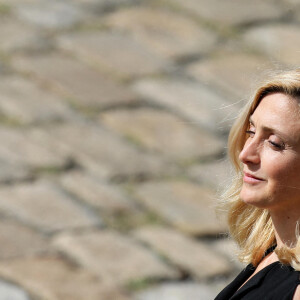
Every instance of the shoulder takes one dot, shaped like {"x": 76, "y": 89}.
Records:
{"x": 297, "y": 293}
{"x": 282, "y": 282}
{"x": 297, "y": 290}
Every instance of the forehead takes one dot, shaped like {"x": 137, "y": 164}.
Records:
{"x": 280, "y": 112}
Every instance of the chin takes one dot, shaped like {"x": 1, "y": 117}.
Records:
{"x": 253, "y": 198}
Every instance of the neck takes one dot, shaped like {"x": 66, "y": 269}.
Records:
{"x": 285, "y": 223}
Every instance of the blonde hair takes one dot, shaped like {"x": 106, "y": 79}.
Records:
{"x": 249, "y": 226}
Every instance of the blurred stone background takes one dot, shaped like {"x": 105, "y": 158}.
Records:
{"x": 114, "y": 116}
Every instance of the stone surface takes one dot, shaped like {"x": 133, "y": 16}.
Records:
{"x": 45, "y": 137}
{"x": 42, "y": 205}
{"x": 232, "y": 73}
{"x": 99, "y": 7}
{"x": 161, "y": 131}
{"x": 26, "y": 103}
{"x": 51, "y": 278}
{"x": 12, "y": 4}
{"x": 280, "y": 42}
{"x": 18, "y": 148}
{"x": 191, "y": 256}
{"x": 50, "y": 15}
{"x": 229, "y": 249}
{"x": 104, "y": 4}
{"x": 10, "y": 172}
{"x": 108, "y": 198}
{"x": 18, "y": 241}
{"x": 292, "y": 3}
{"x": 234, "y": 12}
{"x": 187, "y": 206}
{"x": 295, "y": 8}
{"x": 85, "y": 86}
{"x": 216, "y": 174}
{"x": 177, "y": 291}
{"x": 105, "y": 154}
{"x": 16, "y": 36}
{"x": 10, "y": 291}
{"x": 103, "y": 49}
{"x": 115, "y": 258}
{"x": 164, "y": 32}
{"x": 192, "y": 100}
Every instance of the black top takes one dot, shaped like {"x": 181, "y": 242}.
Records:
{"x": 274, "y": 282}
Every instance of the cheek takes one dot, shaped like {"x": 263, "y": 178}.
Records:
{"x": 284, "y": 172}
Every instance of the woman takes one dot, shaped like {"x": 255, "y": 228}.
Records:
{"x": 263, "y": 202}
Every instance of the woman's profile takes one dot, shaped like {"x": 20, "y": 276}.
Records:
{"x": 263, "y": 201}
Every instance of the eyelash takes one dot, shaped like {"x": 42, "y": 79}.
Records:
{"x": 277, "y": 146}
{"x": 250, "y": 132}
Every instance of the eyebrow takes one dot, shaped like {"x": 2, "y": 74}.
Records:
{"x": 269, "y": 129}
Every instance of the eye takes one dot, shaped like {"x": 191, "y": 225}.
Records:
{"x": 277, "y": 146}
{"x": 250, "y": 133}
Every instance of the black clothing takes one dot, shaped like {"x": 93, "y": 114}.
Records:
{"x": 274, "y": 282}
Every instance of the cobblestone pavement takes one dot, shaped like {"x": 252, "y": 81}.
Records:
{"x": 114, "y": 116}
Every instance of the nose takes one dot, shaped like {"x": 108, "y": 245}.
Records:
{"x": 251, "y": 152}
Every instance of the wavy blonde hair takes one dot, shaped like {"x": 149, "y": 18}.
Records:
{"x": 252, "y": 227}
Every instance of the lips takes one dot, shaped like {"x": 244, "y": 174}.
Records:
{"x": 249, "y": 178}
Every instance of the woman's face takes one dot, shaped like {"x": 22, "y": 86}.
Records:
{"x": 271, "y": 155}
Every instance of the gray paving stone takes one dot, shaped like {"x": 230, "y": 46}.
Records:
{"x": 234, "y": 73}
{"x": 168, "y": 34}
{"x": 278, "y": 41}
{"x": 234, "y": 12}
{"x": 50, "y": 14}
{"x": 103, "y": 50}
{"x": 100, "y": 7}
{"x": 42, "y": 205}
{"x": 14, "y": 3}
{"x": 106, "y": 197}
{"x": 85, "y": 86}
{"x": 229, "y": 249}
{"x": 13, "y": 171}
{"x": 97, "y": 9}
{"x": 155, "y": 37}
{"x": 216, "y": 174}
{"x": 115, "y": 258}
{"x": 17, "y": 36}
{"x": 19, "y": 241}
{"x": 17, "y": 148}
{"x": 105, "y": 4}
{"x": 51, "y": 278}
{"x": 177, "y": 291}
{"x": 104, "y": 154}
{"x": 187, "y": 206}
{"x": 163, "y": 132}
{"x": 9, "y": 291}
{"x": 26, "y": 103}
{"x": 294, "y": 7}
{"x": 293, "y": 3}
{"x": 192, "y": 100}
{"x": 192, "y": 256}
